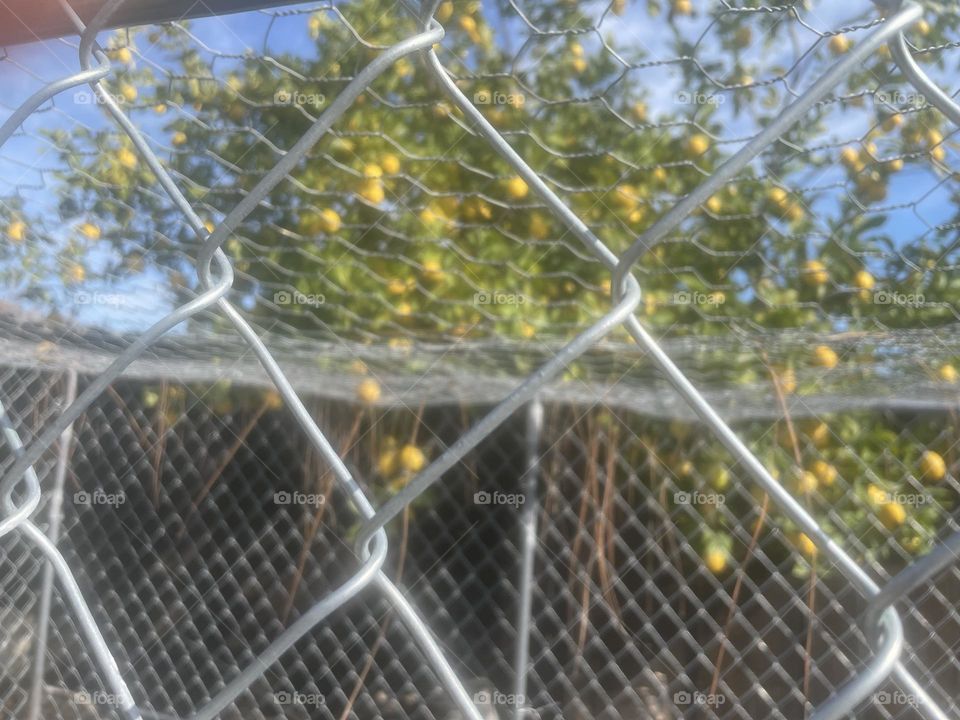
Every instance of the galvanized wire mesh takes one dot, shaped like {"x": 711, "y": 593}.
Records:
{"x": 504, "y": 265}
{"x": 187, "y": 589}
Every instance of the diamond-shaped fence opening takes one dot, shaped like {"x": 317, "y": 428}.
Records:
{"x": 368, "y": 255}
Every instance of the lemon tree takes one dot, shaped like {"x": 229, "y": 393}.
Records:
{"x": 403, "y": 226}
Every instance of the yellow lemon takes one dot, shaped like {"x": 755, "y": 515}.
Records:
{"x": 794, "y": 212}
{"x": 160, "y": 108}
{"x": 517, "y": 188}
{"x": 342, "y": 146}
{"x": 719, "y": 478}
{"x": 90, "y": 231}
{"x": 806, "y": 545}
{"x": 788, "y": 381}
{"x": 429, "y": 216}
{"x": 778, "y": 196}
{"x": 682, "y": 7}
{"x": 396, "y": 287}
{"x": 825, "y": 473}
{"x": 807, "y": 483}
{"x": 387, "y": 463}
{"x": 819, "y": 434}
{"x": 697, "y": 144}
{"x": 539, "y": 227}
{"x": 128, "y": 92}
{"x": 714, "y": 204}
{"x": 872, "y": 187}
{"x": 851, "y": 158}
{"x": 17, "y": 231}
{"x": 76, "y": 273}
{"x": 412, "y": 458}
{"x": 914, "y": 543}
{"x": 625, "y": 196}
{"x": 876, "y": 494}
{"x": 372, "y": 170}
{"x": 716, "y": 560}
{"x": 390, "y": 164}
{"x": 892, "y": 515}
{"x": 329, "y": 220}
{"x": 650, "y": 303}
{"x": 403, "y": 68}
{"x": 839, "y": 44}
{"x": 469, "y": 26}
{"x": 864, "y": 280}
{"x": 814, "y": 273}
{"x": 127, "y": 158}
{"x": 368, "y": 390}
{"x": 825, "y": 356}
{"x": 932, "y": 466}
{"x": 371, "y": 190}
{"x": 179, "y": 138}
{"x": 432, "y": 270}
{"x": 947, "y": 373}
{"x": 122, "y": 55}
{"x": 445, "y": 11}
{"x": 273, "y": 400}
{"x": 639, "y": 111}
{"x": 892, "y": 122}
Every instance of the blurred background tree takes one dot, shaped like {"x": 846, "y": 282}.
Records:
{"x": 404, "y": 227}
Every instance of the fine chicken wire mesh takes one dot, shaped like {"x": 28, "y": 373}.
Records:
{"x": 196, "y": 567}
{"x": 420, "y": 239}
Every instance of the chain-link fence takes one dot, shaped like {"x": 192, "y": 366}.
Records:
{"x": 429, "y": 209}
